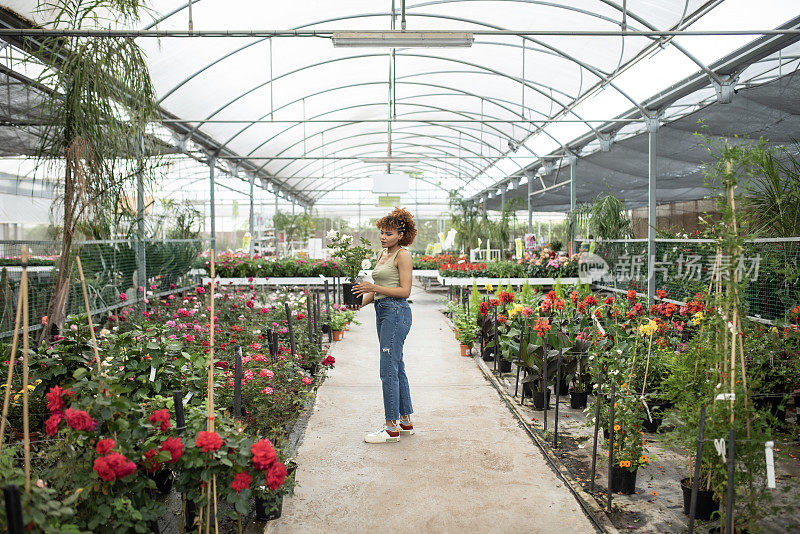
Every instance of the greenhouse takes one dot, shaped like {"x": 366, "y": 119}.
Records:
{"x": 577, "y": 222}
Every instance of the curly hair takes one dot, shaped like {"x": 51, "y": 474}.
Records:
{"x": 400, "y": 219}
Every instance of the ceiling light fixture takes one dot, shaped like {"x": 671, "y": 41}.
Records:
{"x": 390, "y": 159}
{"x": 403, "y": 39}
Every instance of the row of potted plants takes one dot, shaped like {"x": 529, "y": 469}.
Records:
{"x": 106, "y": 437}
{"x": 659, "y": 359}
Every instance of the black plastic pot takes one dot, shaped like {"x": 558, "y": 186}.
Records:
{"x": 623, "y": 480}
{"x": 163, "y": 480}
{"x": 539, "y": 399}
{"x": 504, "y": 365}
{"x": 268, "y": 509}
{"x": 577, "y": 399}
{"x": 326, "y": 328}
{"x": 706, "y": 505}
{"x": 651, "y": 426}
{"x": 349, "y": 298}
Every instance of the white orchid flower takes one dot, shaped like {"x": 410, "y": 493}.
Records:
{"x": 366, "y": 264}
{"x": 331, "y": 234}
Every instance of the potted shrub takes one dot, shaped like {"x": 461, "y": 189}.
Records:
{"x": 351, "y": 259}
{"x": 337, "y": 322}
{"x": 467, "y": 332}
{"x": 578, "y": 374}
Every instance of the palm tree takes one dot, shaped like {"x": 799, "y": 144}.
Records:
{"x": 465, "y": 219}
{"x": 95, "y": 116}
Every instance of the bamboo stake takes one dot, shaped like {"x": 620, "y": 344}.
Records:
{"x": 25, "y": 347}
{"x": 12, "y": 358}
{"x": 647, "y": 366}
{"x": 88, "y": 313}
{"x": 216, "y": 520}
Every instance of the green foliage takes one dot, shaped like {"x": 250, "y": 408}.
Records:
{"x": 299, "y": 226}
{"x": 606, "y": 217}
{"x": 466, "y": 220}
{"x": 350, "y": 258}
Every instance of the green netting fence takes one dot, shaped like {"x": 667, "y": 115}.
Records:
{"x": 683, "y": 267}
{"x": 111, "y": 268}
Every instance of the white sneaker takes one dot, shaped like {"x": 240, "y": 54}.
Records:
{"x": 383, "y": 435}
{"x": 406, "y": 429}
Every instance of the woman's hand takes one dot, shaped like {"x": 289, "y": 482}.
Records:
{"x": 363, "y": 287}
{"x": 354, "y": 307}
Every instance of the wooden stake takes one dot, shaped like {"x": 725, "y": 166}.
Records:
{"x": 12, "y": 358}
{"x": 216, "y": 521}
{"x": 88, "y": 313}
{"x": 25, "y": 338}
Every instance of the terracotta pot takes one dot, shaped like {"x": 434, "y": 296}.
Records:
{"x": 347, "y": 325}
{"x": 465, "y": 350}
{"x": 337, "y": 335}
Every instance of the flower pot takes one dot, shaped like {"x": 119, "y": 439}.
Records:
{"x": 349, "y": 298}
{"x": 163, "y": 480}
{"x": 267, "y": 509}
{"x": 465, "y": 350}
{"x": 651, "y": 426}
{"x": 504, "y": 365}
{"x": 347, "y": 325}
{"x": 706, "y": 505}
{"x": 623, "y": 480}
{"x": 337, "y": 335}
{"x": 577, "y": 399}
{"x": 538, "y": 398}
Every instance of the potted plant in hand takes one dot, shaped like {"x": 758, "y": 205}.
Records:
{"x": 351, "y": 259}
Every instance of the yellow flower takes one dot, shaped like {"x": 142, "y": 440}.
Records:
{"x": 489, "y": 287}
{"x": 512, "y": 312}
{"x": 697, "y": 317}
{"x": 648, "y": 328}
{"x": 518, "y": 307}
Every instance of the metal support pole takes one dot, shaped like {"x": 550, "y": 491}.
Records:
{"x": 558, "y": 393}
{"x": 530, "y": 204}
{"x": 290, "y": 326}
{"x": 180, "y": 416}
{"x": 652, "y": 137}
{"x": 211, "y": 164}
{"x": 573, "y": 163}
{"x": 696, "y": 474}
{"x": 252, "y": 217}
{"x": 729, "y": 526}
{"x": 141, "y": 259}
{"x": 597, "y": 401}
{"x": 237, "y": 383}
{"x": 611, "y": 444}
{"x": 543, "y": 385}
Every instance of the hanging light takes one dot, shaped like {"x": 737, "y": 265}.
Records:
{"x": 403, "y": 39}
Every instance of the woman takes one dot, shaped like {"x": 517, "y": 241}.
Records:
{"x": 391, "y": 288}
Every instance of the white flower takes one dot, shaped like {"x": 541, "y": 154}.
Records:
{"x": 347, "y": 237}
{"x": 366, "y": 264}
{"x": 331, "y": 234}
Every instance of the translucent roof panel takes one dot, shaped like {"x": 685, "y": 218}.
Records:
{"x": 303, "y": 114}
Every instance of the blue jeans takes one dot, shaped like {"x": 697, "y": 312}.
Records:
{"x": 393, "y": 318}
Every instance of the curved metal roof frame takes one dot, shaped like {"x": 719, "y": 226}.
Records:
{"x": 465, "y": 114}
{"x": 404, "y": 135}
{"x": 492, "y": 100}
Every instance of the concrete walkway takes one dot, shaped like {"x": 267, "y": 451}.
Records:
{"x": 469, "y": 468}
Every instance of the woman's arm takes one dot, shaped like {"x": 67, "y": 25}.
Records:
{"x": 404, "y": 266}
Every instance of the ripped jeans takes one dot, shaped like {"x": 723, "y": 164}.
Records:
{"x": 393, "y": 318}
